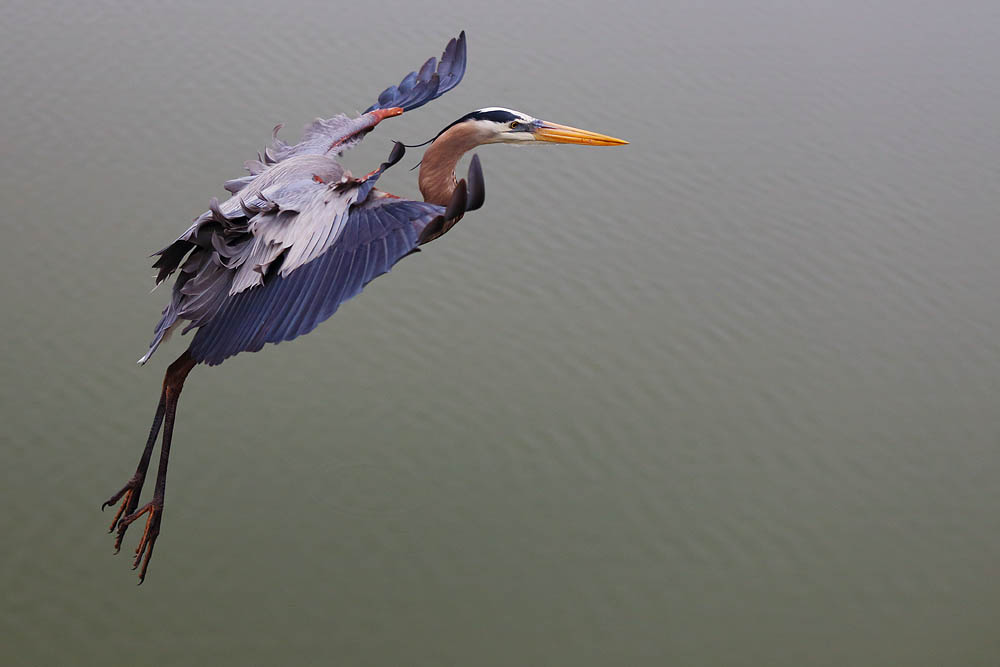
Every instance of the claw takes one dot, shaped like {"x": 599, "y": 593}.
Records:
{"x": 121, "y": 510}
{"x": 129, "y": 495}
{"x": 145, "y": 564}
{"x": 115, "y": 498}
{"x": 154, "y": 510}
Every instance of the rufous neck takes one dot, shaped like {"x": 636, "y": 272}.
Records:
{"x": 437, "y": 169}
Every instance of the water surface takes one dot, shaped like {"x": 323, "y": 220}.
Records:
{"x": 727, "y": 395}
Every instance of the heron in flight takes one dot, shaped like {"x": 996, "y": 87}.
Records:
{"x": 300, "y": 235}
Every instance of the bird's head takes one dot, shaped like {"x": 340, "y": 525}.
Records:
{"x": 497, "y": 125}
{"x": 493, "y": 125}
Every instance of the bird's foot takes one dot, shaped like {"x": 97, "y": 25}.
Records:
{"x": 129, "y": 497}
{"x": 154, "y": 512}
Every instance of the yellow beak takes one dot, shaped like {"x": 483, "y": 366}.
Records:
{"x": 564, "y": 134}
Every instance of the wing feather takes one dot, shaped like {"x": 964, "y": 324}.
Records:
{"x": 431, "y": 81}
{"x": 378, "y": 234}
{"x": 298, "y": 235}
{"x": 339, "y": 133}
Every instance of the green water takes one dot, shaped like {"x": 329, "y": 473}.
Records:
{"x": 724, "y": 396}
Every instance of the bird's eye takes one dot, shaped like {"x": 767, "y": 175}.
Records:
{"x": 514, "y": 124}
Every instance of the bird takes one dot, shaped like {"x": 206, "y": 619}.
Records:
{"x": 299, "y": 235}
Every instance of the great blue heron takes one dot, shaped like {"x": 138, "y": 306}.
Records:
{"x": 300, "y": 235}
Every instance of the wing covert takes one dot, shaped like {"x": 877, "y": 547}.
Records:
{"x": 376, "y": 235}
{"x": 274, "y": 265}
{"x": 291, "y": 214}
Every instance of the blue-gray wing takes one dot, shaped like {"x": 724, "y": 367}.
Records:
{"x": 279, "y": 233}
{"x": 426, "y": 84}
{"x": 333, "y": 136}
{"x": 377, "y": 234}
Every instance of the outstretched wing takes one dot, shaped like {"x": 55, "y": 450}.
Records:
{"x": 420, "y": 87}
{"x": 377, "y": 234}
{"x": 336, "y": 135}
{"x": 295, "y": 205}
{"x": 295, "y": 248}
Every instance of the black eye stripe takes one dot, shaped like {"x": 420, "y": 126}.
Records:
{"x": 495, "y": 115}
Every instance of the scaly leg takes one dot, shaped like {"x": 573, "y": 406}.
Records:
{"x": 133, "y": 487}
{"x": 173, "y": 382}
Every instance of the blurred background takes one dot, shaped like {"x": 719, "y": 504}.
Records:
{"x": 725, "y": 396}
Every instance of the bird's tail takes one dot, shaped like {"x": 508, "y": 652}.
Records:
{"x": 162, "y": 331}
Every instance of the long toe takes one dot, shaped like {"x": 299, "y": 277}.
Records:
{"x": 121, "y": 509}
{"x": 153, "y": 511}
{"x": 128, "y": 496}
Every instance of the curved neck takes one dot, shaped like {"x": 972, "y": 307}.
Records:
{"x": 437, "y": 170}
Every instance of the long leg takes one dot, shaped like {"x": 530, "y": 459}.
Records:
{"x": 173, "y": 382}
{"x": 133, "y": 487}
